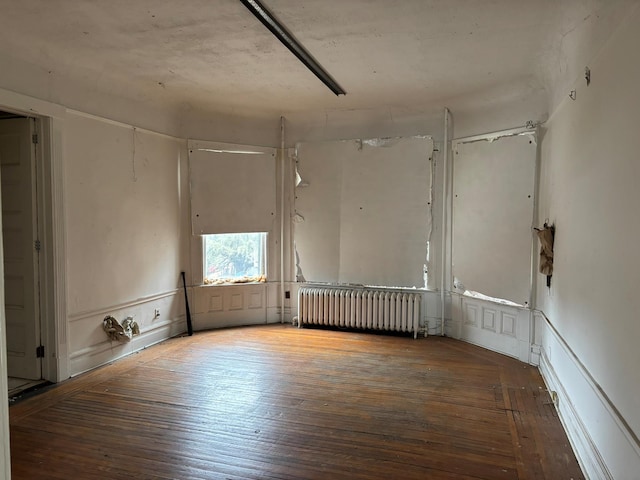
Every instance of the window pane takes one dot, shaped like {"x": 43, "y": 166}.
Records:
{"x": 235, "y": 257}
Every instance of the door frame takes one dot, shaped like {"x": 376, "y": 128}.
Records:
{"x": 23, "y": 170}
{"x": 53, "y": 291}
{"x": 49, "y": 126}
{"x": 55, "y": 365}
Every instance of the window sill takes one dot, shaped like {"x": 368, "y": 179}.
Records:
{"x": 233, "y": 283}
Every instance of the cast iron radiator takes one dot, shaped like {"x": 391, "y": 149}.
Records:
{"x": 359, "y": 308}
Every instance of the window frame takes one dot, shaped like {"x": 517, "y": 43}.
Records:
{"x": 237, "y": 280}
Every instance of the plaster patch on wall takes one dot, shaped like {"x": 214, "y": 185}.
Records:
{"x": 493, "y": 199}
{"x": 387, "y": 141}
{"x": 367, "y": 210}
{"x": 492, "y": 137}
{"x": 240, "y": 180}
{"x": 379, "y": 142}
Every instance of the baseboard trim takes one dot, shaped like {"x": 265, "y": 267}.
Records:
{"x": 105, "y": 352}
{"x": 587, "y": 453}
{"x": 584, "y": 407}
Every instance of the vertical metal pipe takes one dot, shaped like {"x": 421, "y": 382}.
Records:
{"x": 282, "y": 167}
{"x": 533, "y": 287}
{"x": 445, "y": 191}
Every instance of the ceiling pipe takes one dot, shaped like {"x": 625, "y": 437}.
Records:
{"x": 288, "y": 40}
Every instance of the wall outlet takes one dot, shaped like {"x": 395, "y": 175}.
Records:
{"x": 156, "y": 313}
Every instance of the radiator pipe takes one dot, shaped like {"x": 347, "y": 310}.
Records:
{"x": 282, "y": 166}
{"x": 445, "y": 182}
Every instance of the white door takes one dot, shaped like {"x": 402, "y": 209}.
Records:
{"x": 19, "y": 232}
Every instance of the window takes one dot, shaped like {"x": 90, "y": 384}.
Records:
{"x": 234, "y": 258}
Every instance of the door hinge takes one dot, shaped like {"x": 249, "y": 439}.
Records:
{"x": 34, "y": 138}
{"x": 37, "y": 245}
{"x": 40, "y": 351}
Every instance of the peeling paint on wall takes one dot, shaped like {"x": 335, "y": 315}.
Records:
{"x": 299, "y": 274}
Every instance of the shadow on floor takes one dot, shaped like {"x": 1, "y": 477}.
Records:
{"x": 21, "y": 389}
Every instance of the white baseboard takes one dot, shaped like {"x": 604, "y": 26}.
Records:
{"x": 89, "y": 346}
{"x": 97, "y": 355}
{"x": 586, "y": 451}
{"x": 604, "y": 445}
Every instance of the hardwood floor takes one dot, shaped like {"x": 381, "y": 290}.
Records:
{"x": 281, "y": 403}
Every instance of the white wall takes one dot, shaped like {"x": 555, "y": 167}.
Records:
{"x": 91, "y": 94}
{"x": 5, "y": 455}
{"x": 589, "y": 190}
{"x": 125, "y": 202}
{"x": 493, "y": 200}
{"x": 366, "y": 211}
{"x": 127, "y": 237}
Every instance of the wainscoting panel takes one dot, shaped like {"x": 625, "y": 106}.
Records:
{"x": 471, "y": 315}
{"x": 215, "y": 303}
{"x": 501, "y": 328}
{"x": 508, "y": 324}
{"x": 229, "y": 305}
{"x": 489, "y": 319}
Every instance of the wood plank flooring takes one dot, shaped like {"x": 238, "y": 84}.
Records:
{"x": 276, "y": 402}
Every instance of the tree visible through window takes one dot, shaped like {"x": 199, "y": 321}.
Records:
{"x": 234, "y": 258}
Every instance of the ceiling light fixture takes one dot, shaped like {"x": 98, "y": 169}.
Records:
{"x": 289, "y": 41}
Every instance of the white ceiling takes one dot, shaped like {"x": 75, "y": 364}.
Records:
{"x": 215, "y": 55}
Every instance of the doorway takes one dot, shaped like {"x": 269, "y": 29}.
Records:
{"x": 21, "y": 250}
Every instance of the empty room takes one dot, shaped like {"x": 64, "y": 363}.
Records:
{"x": 346, "y": 239}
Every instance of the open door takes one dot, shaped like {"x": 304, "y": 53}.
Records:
{"x": 21, "y": 247}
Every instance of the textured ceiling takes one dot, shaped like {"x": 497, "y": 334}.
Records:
{"x": 215, "y": 55}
